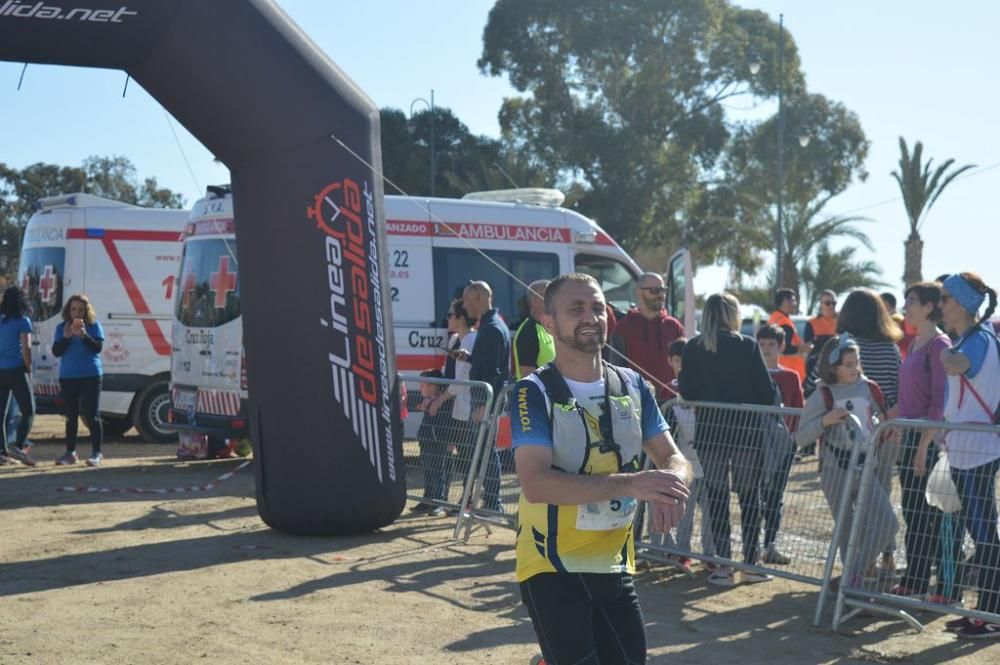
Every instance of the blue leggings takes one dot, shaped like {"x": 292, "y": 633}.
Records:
{"x": 977, "y": 489}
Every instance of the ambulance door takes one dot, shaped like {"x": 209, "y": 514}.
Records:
{"x": 410, "y": 270}
{"x": 130, "y": 279}
{"x": 681, "y": 289}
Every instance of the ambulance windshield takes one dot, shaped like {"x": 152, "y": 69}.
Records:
{"x": 615, "y": 279}
{"x": 41, "y": 278}
{"x": 209, "y": 287}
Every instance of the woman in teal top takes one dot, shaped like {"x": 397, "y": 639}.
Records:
{"x": 15, "y": 366}
{"x": 79, "y": 339}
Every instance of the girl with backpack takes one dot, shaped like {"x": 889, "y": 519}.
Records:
{"x": 844, "y": 390}
{"x": 973, "y": 369}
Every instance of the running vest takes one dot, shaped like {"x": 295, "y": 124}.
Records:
{"x": 793, "y": 362}
{"x": 569, "y": 422}
{"x": 587, "y": 538}
{"x": 546, "y": 347}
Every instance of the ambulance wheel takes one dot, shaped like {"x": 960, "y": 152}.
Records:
{"x": 115, "y": 426}
{"x": 150, "y": 414}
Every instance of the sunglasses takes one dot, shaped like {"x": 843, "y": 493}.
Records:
{"x": 655, "y": 290}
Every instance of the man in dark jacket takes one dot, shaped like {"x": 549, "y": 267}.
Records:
{"x": 645, "y": 334}
{"x": 490, "y": 363}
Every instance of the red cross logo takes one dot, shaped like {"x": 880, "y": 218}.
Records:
{"x": 47, "y": 284}
{"x": 188, "y": 284}
{"x": 222, "y": 282}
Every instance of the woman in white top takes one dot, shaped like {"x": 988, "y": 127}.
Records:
{"x": 973, "y": 396}
{"x": 460, "y": 431}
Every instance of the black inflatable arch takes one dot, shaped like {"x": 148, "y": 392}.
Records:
{"x": 317, "y": 325}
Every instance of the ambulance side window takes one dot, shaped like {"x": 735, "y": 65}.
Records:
{"x": 454, "y": 268}
{"x": 617, "y": 281}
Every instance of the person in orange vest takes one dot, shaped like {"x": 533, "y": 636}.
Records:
{"x": 819, "y": 329}
{"x": 786, "y": 303}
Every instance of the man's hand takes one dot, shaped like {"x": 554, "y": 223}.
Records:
{"x": 663, "y": 517}
{"x": 658, "y": 486}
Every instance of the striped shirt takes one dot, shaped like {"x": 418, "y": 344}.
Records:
{"x": 880, "y": 363}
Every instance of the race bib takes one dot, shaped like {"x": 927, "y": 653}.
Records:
{"x": 613, "y": 514}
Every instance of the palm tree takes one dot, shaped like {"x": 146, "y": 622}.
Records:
{"x": 838, "y": 271}
{"x": 806, "y": 232}
{"x": 920, "y": 188}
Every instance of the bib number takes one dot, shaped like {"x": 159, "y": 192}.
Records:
{"x": 613, "y": 514}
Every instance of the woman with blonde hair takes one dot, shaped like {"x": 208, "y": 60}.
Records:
{"x": 721, "y": 365}
{"x": 79, "y": 338}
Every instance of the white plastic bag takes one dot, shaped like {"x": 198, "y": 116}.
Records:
{"x": 941, "y": 491}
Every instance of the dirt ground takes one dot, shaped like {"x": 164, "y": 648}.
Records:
{"x": 91, "y": 577}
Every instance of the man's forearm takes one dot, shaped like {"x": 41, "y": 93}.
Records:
{"x": 565, "y": 489}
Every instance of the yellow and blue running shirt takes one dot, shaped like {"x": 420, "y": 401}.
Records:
{"x": 548, "y": 537}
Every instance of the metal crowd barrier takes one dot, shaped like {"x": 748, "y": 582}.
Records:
{"x": 440, "y": 451}
{"x": 946, "y": 571}
{"x": 744, "y": 455}
{"x": 492, "y": 496}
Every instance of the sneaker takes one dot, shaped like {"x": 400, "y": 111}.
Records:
{"x": 21, "y": 456}
{"x": 979, "y": 630}
{"x": 95, "y": 459}
{"x": 751, "y": 577}
{"x": 723, "y": 576}
{"x": 422, "y": 508}
{"x": 958, "y": 624}
{"x": 772, "y": 556}
{"x": 7, "y": 460}
{"x": 68, "y": 458}
{"x": 437, "y": 511}
{"x": 682, "y": 562}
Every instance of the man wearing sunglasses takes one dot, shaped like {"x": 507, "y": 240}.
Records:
{"x": 643, "y": 337}
{"x": 819, "y": 329}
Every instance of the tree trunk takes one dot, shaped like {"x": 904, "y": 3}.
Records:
{"x": 913, "y": 250}
{"x": 790, "y": 275}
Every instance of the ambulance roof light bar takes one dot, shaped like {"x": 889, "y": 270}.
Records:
{"x": 77, "y": 199}
{"x": 538, "y": 196}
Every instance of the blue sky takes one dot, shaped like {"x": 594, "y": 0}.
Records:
{"x": 914, "y": 69}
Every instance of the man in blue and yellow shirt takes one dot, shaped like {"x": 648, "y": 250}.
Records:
{"x": 579, "y": 426}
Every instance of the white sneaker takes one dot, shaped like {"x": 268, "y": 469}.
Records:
{"x": 750, "y": 577}
{"x": 722, "y": 576}
{"x": 95, "y": 459}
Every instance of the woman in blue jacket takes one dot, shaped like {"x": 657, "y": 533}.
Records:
{"x": 78, "y": 342}
{"x": 15, "y": 366}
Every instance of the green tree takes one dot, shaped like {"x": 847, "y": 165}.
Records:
{"x": 628, "y": 102}
{"x": 920, "y": 187}
{"x": 838, "y": 271}
{"x": 460, "y": 155}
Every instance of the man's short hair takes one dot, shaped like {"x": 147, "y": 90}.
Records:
{"x": 888, "y": 299}
{"x": 552, "y": 290}
{"x": 480, "y": 287}
{"x": 651, "y": 275}
{"x": 771, "y": 331}
{"x": 781, "y": 295}
{"x": 676, "y": 347}
{"x": 537, "y": 288}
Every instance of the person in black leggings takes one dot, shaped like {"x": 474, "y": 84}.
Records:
{"x": 79, "y": 339}
{"x": 15, "y": 366}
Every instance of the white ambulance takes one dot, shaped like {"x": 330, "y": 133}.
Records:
{"x": 208, "y": 368}
{"x": 124, "y": 258}
{"x": 435, "y": 247}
